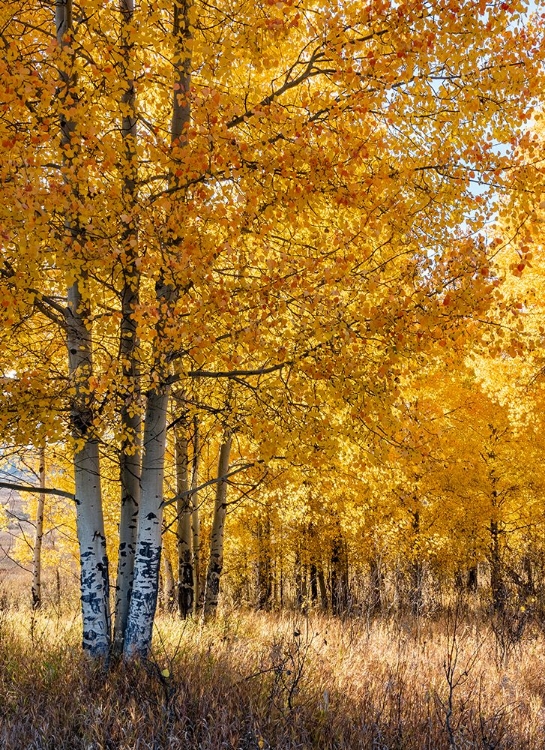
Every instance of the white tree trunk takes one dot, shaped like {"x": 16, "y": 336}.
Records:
{"x": 37, "y": 553}
{"x": 89, "y": 518}
{"x": 95, "y": 603}
{"x": 215, "y": 564}
{"x": 143, "y": 602}
{"x": 93, "y": 556}
{"x": 150, "y": 517}
{"x": 130, "y": 455}
{"x": 128, "y": 525}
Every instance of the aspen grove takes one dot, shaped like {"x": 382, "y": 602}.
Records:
{"x": 270, "y": 291}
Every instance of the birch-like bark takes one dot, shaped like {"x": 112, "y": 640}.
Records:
{"x": 183, "y": 524}
{"x": 215, "y": 563}
{"x": 143, "y": 601}
{"x": 37, "y": 552}
{"x": 95, "y": 598}
{"x": 130, "y": 454}
{"x": 89, "y": 519}
{"x": 128, "y": 522}
{"x": 195, "y": 517}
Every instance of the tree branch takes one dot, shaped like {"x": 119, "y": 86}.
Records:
{"x": 237, "y": 373}
{"x": 37, "y": 490}
{"x": 193, "y": 490}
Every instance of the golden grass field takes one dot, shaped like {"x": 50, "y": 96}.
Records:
{"x": 272, "y": 680}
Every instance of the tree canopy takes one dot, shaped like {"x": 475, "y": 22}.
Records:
{"x": 278, "y": 232}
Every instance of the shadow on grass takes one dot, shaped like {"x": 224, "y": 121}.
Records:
{"x": 268, "y": 681}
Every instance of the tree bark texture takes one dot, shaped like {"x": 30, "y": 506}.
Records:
{"x": 195, "y": 517}
{"x": 148, "y": 544}
{"x": 130, "y": 454}
{"x": 322, "y": 586}
{"x": 169, "y": 587}
{"x": 37, "y": 552}
{"x": 264, "y": 565}
{"x": 88, "y": 496}
{"x": 148, "y": 547}
{"x": 215, "y": 564}
{"x": 89, "y": 519}
{"x": 183, "y": 524}
{"x": 339, "y": 577}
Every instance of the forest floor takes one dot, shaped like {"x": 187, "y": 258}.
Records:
{"x": 273, "y": 680}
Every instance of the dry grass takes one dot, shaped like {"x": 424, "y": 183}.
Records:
{"x": 272, "y": 681}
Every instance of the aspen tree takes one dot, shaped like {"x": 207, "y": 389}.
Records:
{"x": 139, "y": 628}
{"x": 88, "y": 498}
{"x": 300, "y": 218}
{"x": 195, "y": 516}
{"x": 38, "y": 537}
{"x": 169, "y": 586}
{"x": 130, "y": 450}
{"x": 215, "y": 561}
{"x": 183, "y": 523}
